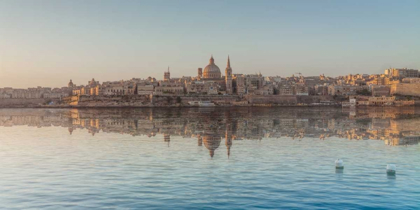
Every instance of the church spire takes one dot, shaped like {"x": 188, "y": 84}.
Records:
{"x": 228, "y": 63}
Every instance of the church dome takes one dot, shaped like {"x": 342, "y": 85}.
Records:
{"x": 212, "y": 71}
{"x": 70, "y": 84}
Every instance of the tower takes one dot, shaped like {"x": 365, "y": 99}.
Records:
{"x": 167, "y": 75}
{"x": 228, "y": 78}
{"x": 200, "y": 72}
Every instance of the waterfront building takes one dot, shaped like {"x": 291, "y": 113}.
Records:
{"x": 265, "y": 90}
{"x": 287, "y": 90}
{"x": 407, "y": 89}
{"x": 145, "y": 88}
{"x": 380, "y": 90}
{"x": 169, "y": 88}
{"x": 402, "y": 73}
{"x": 301, "y": 90}
{"x": 381, "y": 101}
{"x": 344, "y": 89}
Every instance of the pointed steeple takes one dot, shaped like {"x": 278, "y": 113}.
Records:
{"x": 168, "y": 68}
{"x": 228, "y": 62}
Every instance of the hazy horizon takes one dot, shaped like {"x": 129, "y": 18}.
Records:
{"x": 49, "y": 43}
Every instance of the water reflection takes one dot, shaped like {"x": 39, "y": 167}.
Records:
{"x": 211, "y": 127}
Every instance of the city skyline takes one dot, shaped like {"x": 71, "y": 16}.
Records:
{"x": 48, "y": 44}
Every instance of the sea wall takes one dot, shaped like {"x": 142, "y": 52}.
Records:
{"x": 272, "y": 99}
{"x": 109, "y": 101}
{"x": 25, "y": 102}
{"x": 286, "y": 100}
{"x": 406, "y": 89}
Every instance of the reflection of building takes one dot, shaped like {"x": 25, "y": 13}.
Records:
{"x": 212, "y": 142}
{"x": 210, "y": 127}
{"x": 167, "y": 138}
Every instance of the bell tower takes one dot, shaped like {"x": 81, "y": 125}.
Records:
{"x": 167, "y": 76}
{"x": 228, "y": 78}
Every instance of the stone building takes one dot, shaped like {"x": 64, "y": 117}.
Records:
{"x": 402, "y": 73}
{"x": 301, "y": 90}
{"x": 344, "y": 89}
{"x": 286, "y": 90}
{"x": 202, "y": 87}
{"x": 169, "y": 88}
{"x": 381, "y": 101}
{"x": 145, "y": 89}
{"x": 407, "y": 89}
{"x": 380, "y": 90}
{"x": 113, "y": 88}
{"x": 265, "y": 90}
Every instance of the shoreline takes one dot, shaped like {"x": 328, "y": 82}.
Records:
{"x": 202, "y": 107}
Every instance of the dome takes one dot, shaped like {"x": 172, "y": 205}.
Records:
{"x": 70, "y": 84}
{"x": 212, "y": 71}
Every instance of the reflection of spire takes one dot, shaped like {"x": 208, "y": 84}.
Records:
{"x": 71, "y": 130}
{"x": 228, "y": 140}
{"x": 228, "y": 145}
{"x": 200, "y": 141}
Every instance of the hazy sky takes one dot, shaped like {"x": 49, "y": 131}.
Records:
{"x": 49, "y": 42}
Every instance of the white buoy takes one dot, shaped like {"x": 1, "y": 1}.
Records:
{"x": 391, "y": 169}
{"x": 339, "y": 164}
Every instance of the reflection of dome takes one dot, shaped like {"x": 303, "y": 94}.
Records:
{"x": 212, "y": 71}
{"x": 211, "y": 142}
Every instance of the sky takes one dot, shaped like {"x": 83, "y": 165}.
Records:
{"x": 49, "y": 42}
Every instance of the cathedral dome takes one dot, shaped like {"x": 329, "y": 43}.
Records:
{"x": 212, "y": 71}
{"x": 70, "y": 84}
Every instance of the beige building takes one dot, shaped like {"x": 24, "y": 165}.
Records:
{"x": 169, "y": 88}
{"x": 145, "y": 89}
{"x": 381, "y": 90}
{"x": 402, "y": 73}
{"x": 202, "y": 87}
{"x": 344, "y": 89}
{"x": 301, "y": 90}
{"x": 287, "y": 91}
{"x": 381, "y": 101}
{"x": 266, "y": 90}
{"x": 406, "y": 89}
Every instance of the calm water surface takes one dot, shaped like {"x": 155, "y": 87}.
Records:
{"x": 242, "y": 158}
